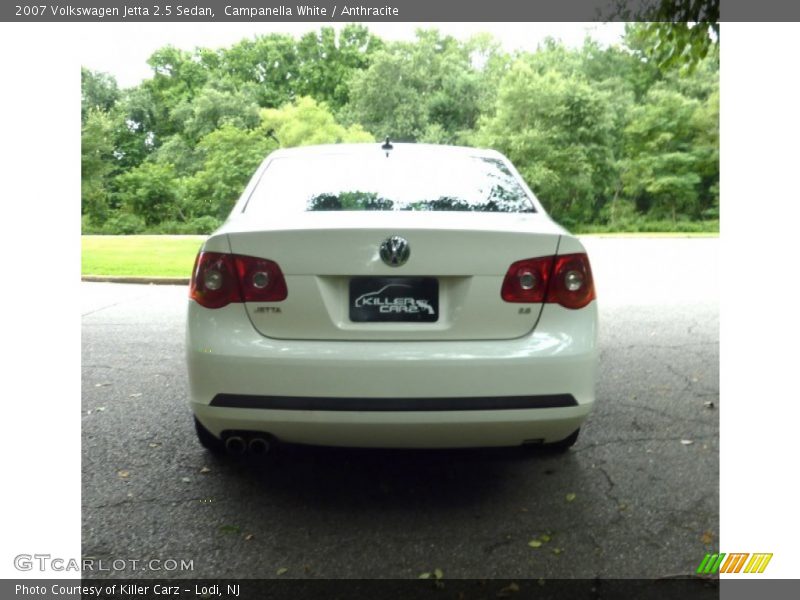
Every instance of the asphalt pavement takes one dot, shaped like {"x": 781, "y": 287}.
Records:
{"x": 638, "y": 496}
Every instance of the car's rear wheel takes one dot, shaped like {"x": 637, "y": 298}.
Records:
{"x": 207, "y": 439}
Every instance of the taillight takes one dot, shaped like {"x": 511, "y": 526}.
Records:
{"x": 526, "y": 280}
{"x": 261, "y": 279}
{"x": 214, "y": 281}
{"x": 572, "y": 285}
{"x": 219, "y": 279}
{"x": 566, "y": 280}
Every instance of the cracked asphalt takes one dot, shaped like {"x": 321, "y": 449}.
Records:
{"x": 644, "y": 473}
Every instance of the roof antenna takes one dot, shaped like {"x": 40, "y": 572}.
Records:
{"x": 387, "y": 146}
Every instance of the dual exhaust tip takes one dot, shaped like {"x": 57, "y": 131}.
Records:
{"x": 257, "y": 445}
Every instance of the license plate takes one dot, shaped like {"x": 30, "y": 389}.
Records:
{"x": 406, "y": 299}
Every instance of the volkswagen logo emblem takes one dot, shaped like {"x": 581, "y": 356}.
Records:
{"x": 395, "y": 251}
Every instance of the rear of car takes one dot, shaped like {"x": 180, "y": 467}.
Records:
{"x": 396, "y": 296}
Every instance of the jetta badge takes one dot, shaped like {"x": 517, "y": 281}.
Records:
{"x": 395, "y": 251}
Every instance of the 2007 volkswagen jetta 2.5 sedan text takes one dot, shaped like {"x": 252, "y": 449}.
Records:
{"x": 395, "y": 296}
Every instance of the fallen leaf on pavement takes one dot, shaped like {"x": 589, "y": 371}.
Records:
{"x": 230, "y": 529}
{"x": 512, "y": 588}
{"x": 282, "y": 571}
{"x": 535, "y": 544}
{"x": 205, "y": 470}
{"x": 123, "y": 474}
{"x": 570, "y": 497}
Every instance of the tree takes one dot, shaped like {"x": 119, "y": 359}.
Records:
{"x": 705, "y": 124}
{"x": 268, "y": 63}
{"x": 386, "y": 98}
{"x": 326, "y": 63}
{"x": 178, "y": 77}
{"x": 213, "y": 107}
{"x": 98, "y": 92}
{"x": 97, "y": 162}
{"x": 557, "y": 130}
{"x": 675, "y": 33}
{"x": 661, "y": 168}
{"x": 306, "y": 122}
{"x": 611, "y": 134}
{"x": 149, "y": 191}
{"x": 229, "y": 157}
{"x": 411, "y": 88}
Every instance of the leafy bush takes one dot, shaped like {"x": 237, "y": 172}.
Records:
{"x": 205, "y": 224}
{"x": 123, "y": 224}
{"x": 199, "y": 225}
{"x": 148, "y": 190}
{"x": 645, "y": 226}
{"x": 89, "y": 226}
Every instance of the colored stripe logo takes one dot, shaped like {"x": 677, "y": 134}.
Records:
{"x": 734, "y": 563}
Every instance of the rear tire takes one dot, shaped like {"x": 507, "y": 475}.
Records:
{"x": 207, "y": 439}
{"x": 565, "y": 444}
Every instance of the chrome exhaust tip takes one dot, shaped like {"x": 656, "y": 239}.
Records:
{"x": 235, "y": 445}
{"x": 258, "y": 446}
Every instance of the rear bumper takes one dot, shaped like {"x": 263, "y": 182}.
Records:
{"x": 393, "y": 394}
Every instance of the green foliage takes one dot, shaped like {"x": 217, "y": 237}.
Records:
{"x": 123, "y": 224}
{"x": 411, "y": 88}
{"x": 97, "y": 162}
{"x": 268, "y": 62}
{"x": 203, "y": 225}
{"x": 558, "y": 130}
{"x": 305, "y": 122}
{"x": 620, "y": 214}
{"x": 327, "y": 63}
{"x": 98, "y": 92}
{"x": 607, "y": 137}
{"x": 661, "y": 170}
{"x": 676, "y": 33}
{"x": 212, "y": 108}
{"x": 148, "y": 191}
{"x": 229, "y": 157}
{"x": 176, "y": 150}
{"x": 644, "y": 225}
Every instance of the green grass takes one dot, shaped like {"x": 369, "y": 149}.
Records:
{"x": 139, "y": 255}
{"x": 651, "y": 234}
{"x": 641, "y": 227}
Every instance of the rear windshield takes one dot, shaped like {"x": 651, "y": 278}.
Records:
{"x": 339, "y": 182}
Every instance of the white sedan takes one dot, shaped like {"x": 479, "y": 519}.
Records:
{"x": 395, "y": 295}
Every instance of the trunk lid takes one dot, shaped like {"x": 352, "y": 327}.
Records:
{"x": 465, "y": 254}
